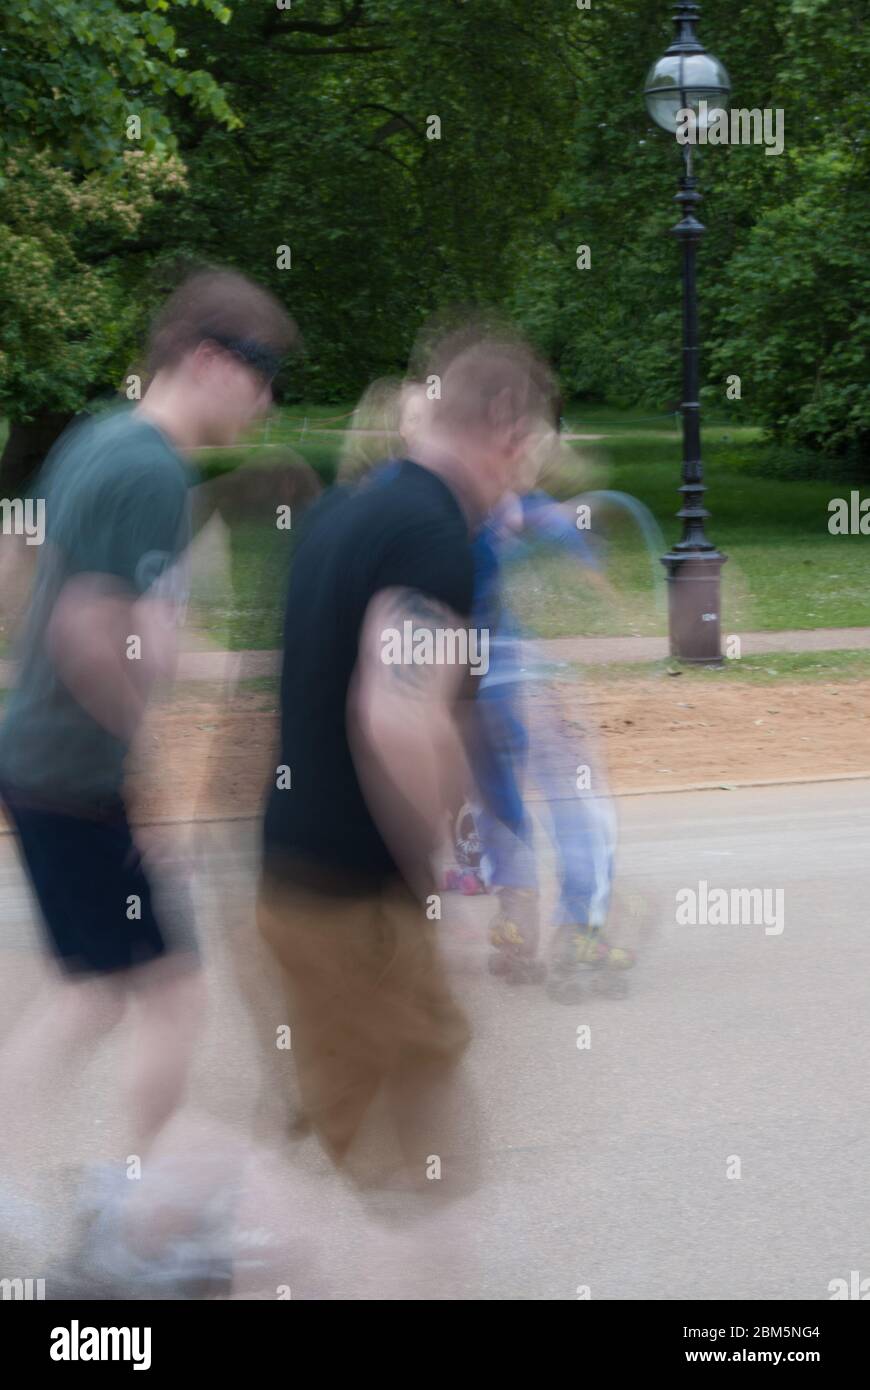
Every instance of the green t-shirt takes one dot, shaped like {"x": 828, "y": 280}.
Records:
{"x": 116, "y": 503}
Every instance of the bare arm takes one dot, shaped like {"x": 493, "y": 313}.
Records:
{"x": 87, "y": 639}
{"x": 403, "y": 732}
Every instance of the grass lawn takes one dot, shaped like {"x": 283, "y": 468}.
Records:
{"x": 764, "y": 669}
{"x": 784, "y": 569}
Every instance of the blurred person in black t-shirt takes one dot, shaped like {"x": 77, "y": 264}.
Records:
{"x": 378, "y": 658}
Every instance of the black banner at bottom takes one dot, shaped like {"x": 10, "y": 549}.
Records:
{"x": 156, "y": 1338}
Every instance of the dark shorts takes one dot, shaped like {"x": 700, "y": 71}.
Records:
{"x": 85, "y": 870}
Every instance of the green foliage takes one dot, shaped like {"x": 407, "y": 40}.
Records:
{"x": 75, "y": 189}
{"x": 796, "y": 307}
{"x": 66, "y": 316}
{"x": 334, "y": 160}
{"x": 73, "y": 71}
{"x": 783, "y": 269}
{"x": 310, "y": 128}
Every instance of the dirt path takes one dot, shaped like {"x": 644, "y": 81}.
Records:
{"x": 199, "y": 757}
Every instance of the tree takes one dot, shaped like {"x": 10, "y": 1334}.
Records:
{"x": 412, "y": 155}
{"x": 86, "y": 150}
{"x": 397, "y": 149}
{"x": 783, "y": 266}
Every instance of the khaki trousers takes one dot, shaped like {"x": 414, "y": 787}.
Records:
{"x": 368, "y": 1005}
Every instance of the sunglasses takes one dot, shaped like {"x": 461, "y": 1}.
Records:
{"x": 258, "y": 356}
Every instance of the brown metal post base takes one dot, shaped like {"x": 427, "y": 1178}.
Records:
{"x": 694, "y": 606}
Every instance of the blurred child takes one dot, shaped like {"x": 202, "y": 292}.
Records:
{"x": 563, "y": 768}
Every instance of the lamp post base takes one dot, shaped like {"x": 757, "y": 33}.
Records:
{"x": 694, "y": 606}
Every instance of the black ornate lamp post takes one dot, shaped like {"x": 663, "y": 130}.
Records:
{"x": 681, "y": 79}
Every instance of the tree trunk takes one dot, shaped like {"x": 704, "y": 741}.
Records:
{"x": 26, "y": 448}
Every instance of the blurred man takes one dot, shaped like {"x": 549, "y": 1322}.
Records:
{"x": 101, "y": 631}
{"x": 370, "y": 757}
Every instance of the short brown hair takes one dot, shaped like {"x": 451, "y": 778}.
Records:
{"x": 478, "y": 355}
{"x": 222, "y": 305}
{"x": 491, "y": 370}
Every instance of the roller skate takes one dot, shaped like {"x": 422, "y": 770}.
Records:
{"x": 582, "y": 959}
{"x": 194, "y": 1263}
{"x": 514, "y": 935}
{"x": 465, "y": 875}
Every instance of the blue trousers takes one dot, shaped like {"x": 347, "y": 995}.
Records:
{"x": 581, "y": 811}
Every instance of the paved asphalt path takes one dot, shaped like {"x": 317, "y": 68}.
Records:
{"x": 604, "y": 1167}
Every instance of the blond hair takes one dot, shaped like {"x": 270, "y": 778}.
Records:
{"x": 553, "y": 465}
{"x": 373, "y": 433}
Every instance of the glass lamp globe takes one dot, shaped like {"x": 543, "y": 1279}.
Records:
{"x": 679, "y": 81}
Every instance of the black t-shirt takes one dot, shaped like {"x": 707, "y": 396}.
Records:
{"x": 402, "y": 530}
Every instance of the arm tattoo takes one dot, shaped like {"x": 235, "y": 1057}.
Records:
{"x": 416, "y": 635}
